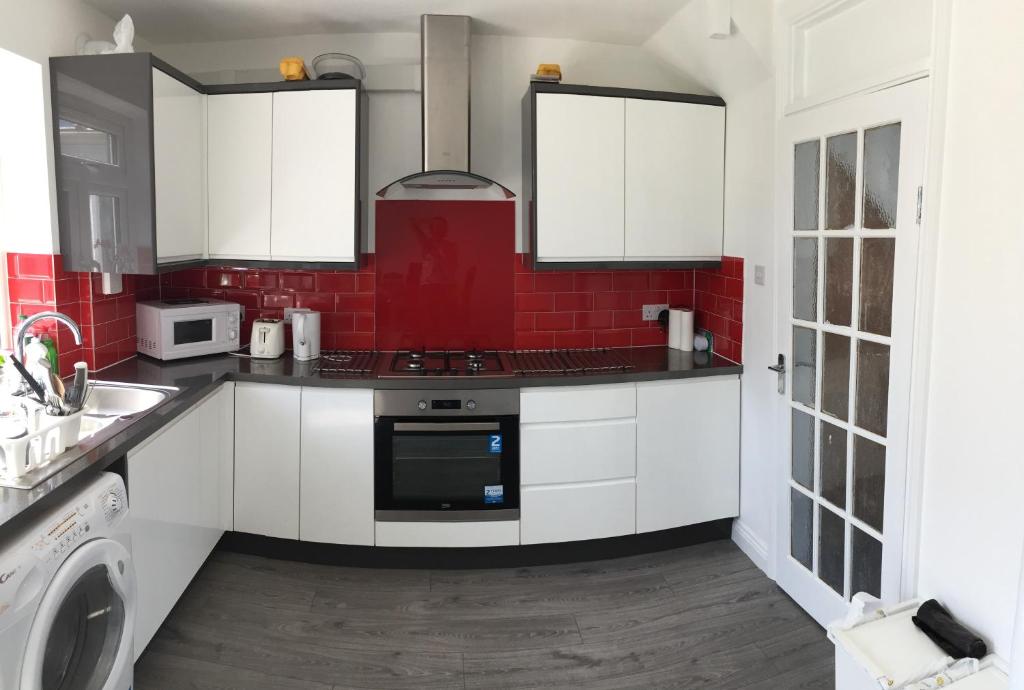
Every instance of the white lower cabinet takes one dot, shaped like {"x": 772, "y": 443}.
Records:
{"x": 688, "y": 459}
{"x": 572, "y": 512}
{"x": 267, "y": 436}
{"x": 336, "y": 491}
{"x": 179, "y": 494}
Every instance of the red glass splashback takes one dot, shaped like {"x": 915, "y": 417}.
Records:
{"x": 445, "y": 274}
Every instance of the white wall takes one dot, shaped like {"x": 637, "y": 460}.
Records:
{"x": 500, "y": 76}
{"x": 35, "y": 30}
{"x": 739, "y": 68}
{"x": 973, "y": 515}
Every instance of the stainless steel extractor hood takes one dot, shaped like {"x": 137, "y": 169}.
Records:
{"x": 444, "y": 55}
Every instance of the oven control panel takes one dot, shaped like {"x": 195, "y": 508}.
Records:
{"x": 453, "y": 403}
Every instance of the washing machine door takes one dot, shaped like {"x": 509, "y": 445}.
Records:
{"x": 81, "y": 638}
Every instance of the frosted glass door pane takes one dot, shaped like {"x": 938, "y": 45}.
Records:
{"x": 835, "y": 377}
{"x": 831, "y": 549}
{"x": 833, "y": 464}
{"x": 803, "y": 449}
{"x": 881, "y": 176}
{"x": 805, "y": 279}
{"x": 805, "y": 364}
{"x": 806, "y": 170}
{"x": 840, "y": 181}
{"x": 869, "y": 482}
{"x": 877, "y": 257}
{"x": 838, "y": 281}
{"x": 801, "y": 527}
{"x": 872, "y": 386}
{"x": 866, "y": 564}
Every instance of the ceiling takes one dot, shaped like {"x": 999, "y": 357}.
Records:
{"x": 629, "y": 22}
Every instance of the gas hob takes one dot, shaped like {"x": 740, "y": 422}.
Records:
{"x": 447, "y": 363}
{"x": 469, "y": 363}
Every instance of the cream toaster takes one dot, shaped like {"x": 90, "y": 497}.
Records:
{"x": 267, "y": 338}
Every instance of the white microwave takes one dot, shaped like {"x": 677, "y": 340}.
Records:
{"x": 187, "y": 327}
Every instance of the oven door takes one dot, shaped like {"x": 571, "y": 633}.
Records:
{"x": 442, "y": 469}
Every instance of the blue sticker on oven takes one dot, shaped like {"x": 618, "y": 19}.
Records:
{"x": 494, "y": 441}
{"x": 495, "y": 493}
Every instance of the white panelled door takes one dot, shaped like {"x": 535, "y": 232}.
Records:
{"x": 849, "y": 230}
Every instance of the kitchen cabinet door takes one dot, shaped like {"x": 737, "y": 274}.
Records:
{"x": 675, "y": 167}
{"x": 179, "y": 163}
{"x": 579, "y": 178}
{"x": 267, "y": 459}
{"x": 314, "y": 195}
{"x": 239, "y": 148}
{"x": 336, "y": 494}
{"x": 176, "y": 494}
{"x": 688, "y": 464}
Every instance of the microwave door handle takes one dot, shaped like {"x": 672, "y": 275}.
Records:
{"x": 440, "y": 427}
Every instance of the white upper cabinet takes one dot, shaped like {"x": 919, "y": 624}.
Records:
{"x": 579, "y": 177}
{"x": 616, "y": 175}
{"x": 284, "y": 175}
{"x": 179, "y": 163}
{"x": 239, "y": 164}
{"x": 675, "y": 168}
{"x": 314, "y": 197}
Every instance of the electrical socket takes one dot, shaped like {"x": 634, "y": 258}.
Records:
{"x": 288, "y": 311}
{"x": 651, "y": 311}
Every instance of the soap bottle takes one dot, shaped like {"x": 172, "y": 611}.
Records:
{"x": 51, "y": 352}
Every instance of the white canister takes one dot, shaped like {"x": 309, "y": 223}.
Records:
{"x": 680, "y": 329}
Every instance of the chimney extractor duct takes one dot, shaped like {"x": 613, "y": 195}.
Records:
{"x": 444, "y": 56}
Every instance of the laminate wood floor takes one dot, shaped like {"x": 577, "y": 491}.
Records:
{"x": 697, "y": 617}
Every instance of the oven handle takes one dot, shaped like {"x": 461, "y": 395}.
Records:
{"x": 447, "y": 426}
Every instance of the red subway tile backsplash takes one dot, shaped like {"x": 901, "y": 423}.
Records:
{"x": 552, "y": 308}
{"x": 607, "y": 305}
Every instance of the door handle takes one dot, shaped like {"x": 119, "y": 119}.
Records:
{"x": 780, "y": 369}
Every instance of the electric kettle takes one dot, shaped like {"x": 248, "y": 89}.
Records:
{"x": 267, "y": 339}
{"x": 306, "y": 335}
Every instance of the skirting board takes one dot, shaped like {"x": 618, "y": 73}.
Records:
{"x": 476, "y": 557}
{"x": 755, "y": 549}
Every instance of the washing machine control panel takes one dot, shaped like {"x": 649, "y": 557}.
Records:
{"x": 69, "y": 528}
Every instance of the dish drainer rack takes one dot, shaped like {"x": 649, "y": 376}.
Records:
{"x": 45, "y": 438}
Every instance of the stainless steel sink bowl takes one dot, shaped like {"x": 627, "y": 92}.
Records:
{"x": 108, "y": 399}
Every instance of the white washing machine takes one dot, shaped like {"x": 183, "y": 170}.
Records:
{"x": 67, "y": 596}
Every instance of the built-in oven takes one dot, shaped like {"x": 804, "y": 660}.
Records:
{"x": 446, "y": 455}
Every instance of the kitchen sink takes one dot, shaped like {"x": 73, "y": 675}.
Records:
{"x": 110, "y": 408}
{"x": 107, "y": 399}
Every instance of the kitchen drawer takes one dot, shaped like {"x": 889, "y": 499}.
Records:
{"x": 565, "y": 452}
{"x": 572, "y": 512}
{"x": 448, "y": 534}
{"x": 577, "y": 403}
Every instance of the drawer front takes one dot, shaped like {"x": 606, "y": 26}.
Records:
{"x": 567, "y": 452}
{"x": 577, "y": 403}
{"x": 448, "y": 534}
{"x": 573, "y": 512}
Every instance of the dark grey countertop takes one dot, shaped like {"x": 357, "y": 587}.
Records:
{"x": 196, "y": 378}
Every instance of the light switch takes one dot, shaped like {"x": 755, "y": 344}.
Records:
{"x": 758, "y": 274}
